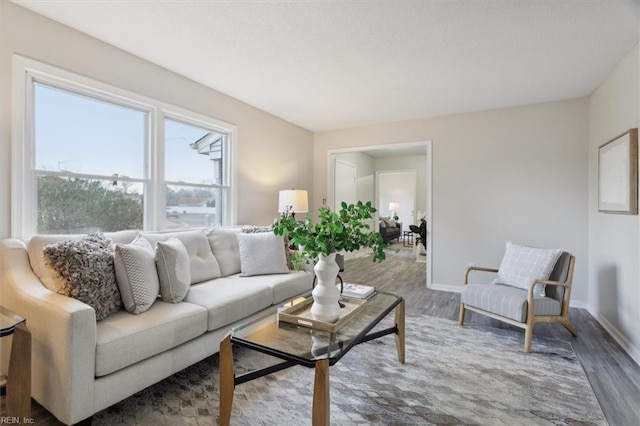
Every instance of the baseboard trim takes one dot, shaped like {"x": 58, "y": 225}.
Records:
{"x": 622, "y": 340}
{"x": 446, "y": 287}
{"x": 578, "y": 304}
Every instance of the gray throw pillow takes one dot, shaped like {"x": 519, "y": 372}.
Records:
{"x": 172, "y": 262}
{"x": 261, "y": 254}
{"x": 136, "y": 275}
{"x": 390, "y": 223}
{"x": 254, "y": 229}
{"x": 521, "y": 265}
{"x": 85, "y": 267}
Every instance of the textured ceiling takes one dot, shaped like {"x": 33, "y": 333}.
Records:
{"x": 334, "y": 64}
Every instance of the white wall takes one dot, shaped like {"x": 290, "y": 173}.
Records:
{"x": 614, "y": 252}
{"x": 417, "y": 163}
{"x": 365, "y": 172}
{"x": 273, "y": 154}
{"x": 511, "y": 174}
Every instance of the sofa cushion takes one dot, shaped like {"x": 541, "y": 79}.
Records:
{"x": 203, "y": 265}
{"x": 49, "y": 277}
{"x": 86, "y": 268}
{"x": 284, "y": 287}
{"x": 507, "y": 301}
{"x": 136, "y": 275}
{"x": 521, "y": 265}
{"x": 224, "y": 245}
{"x": 230, "y": 299}
{"x": 124, "y": 339}
{"x": 172, "y": 263}
{"x": 261, "y": 254}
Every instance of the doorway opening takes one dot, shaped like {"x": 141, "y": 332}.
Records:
{"x": 369, "y": 162}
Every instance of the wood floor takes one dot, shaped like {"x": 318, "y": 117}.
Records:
{"x": 614, "y": 376}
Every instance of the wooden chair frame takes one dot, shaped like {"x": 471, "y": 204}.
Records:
{"x": 531, "y": 319}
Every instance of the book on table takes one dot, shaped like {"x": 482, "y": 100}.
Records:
{"x": 358, "y": 291}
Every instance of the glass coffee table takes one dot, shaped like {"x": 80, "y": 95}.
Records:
{"x": 298, "y": 345}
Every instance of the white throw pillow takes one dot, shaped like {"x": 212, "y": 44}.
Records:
{"x": 521, "y": 265}
{"x": 172, "y": 262}
{"x": 261, "y": 254}
{"x": 136, "y": 275}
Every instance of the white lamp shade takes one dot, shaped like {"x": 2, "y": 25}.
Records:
{"x": 296, "y": 200}
{"x": 394, "y": 207}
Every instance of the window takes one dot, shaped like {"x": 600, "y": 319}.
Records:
{"x": 93, "y": 158}
{"x": 84, "y": 182}
{"x": 194, "y": 194}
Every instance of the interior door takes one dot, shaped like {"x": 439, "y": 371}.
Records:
{"x": 344, "y": 183}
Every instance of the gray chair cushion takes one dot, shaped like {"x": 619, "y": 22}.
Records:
{"x": 559, "y": 273}
{"x": 507, "y": 301}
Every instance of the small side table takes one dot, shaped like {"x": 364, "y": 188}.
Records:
{"x": 19, "y": 374}
{"x": 407, "y": 238}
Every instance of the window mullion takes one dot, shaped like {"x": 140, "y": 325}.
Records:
{"x": 158, "y": 190}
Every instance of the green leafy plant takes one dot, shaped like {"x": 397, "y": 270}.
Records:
{"x": 335, "y": 232}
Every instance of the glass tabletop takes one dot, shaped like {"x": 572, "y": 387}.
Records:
{"x": 304, "y": 345}
{"x": 8, "y": 321}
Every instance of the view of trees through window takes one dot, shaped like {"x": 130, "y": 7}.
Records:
{"x": 74, "y": 205}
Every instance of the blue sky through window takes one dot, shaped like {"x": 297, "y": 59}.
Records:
{"x": 183, "y": 163}
{"x": 84, "y": 135}
{"x": 81, "y": 134}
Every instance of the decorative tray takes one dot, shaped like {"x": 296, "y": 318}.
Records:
{"x": 300, "y": 314}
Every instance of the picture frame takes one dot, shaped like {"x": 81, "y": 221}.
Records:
{"x": 618, "y": 174}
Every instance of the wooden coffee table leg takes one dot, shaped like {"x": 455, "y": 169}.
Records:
{"x": 400, "y": 334}
{"x": 321, "y": 398}
{"x": 19, "y": 374}
{"x": 227, "y": 380}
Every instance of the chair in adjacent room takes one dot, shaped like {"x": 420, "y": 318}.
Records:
{"x": 421, "y": 231}
{"x": 421, "y": 238}
{"x": 523, "y": 301}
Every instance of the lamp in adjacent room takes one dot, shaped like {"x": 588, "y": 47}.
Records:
{"x": 294, "y": 201}
{"x": 394, "y": 207}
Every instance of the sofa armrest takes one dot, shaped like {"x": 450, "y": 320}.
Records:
{"x": 63, "y": 335}
{"x": 476, "y": 268}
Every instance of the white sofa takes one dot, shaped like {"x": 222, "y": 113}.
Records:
{"x": 80, "y": 366}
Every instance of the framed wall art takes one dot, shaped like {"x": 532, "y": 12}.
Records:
{"x": 618, "y": 174}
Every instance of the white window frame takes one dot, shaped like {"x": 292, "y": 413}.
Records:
{"x": 23, "y": 177}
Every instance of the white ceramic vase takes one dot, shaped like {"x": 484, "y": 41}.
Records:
{"x": 325, "y": 296}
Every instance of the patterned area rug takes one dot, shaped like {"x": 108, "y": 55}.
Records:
{"x": 453, "y": 376}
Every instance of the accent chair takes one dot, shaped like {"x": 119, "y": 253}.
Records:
{"x": 540, "y": 301}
